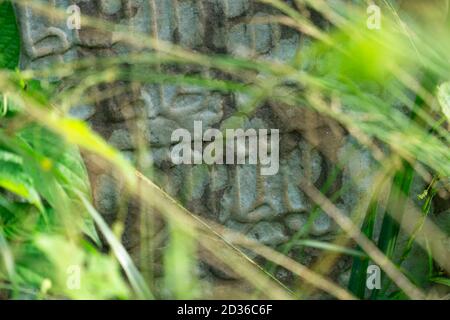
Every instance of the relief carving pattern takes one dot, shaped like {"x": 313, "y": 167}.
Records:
{"x": 267, "y": 208}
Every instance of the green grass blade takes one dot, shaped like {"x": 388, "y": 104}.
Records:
{"x": 390, "y": 227}
{"x": 330, "y": 247}
{"x": 357, "y": 282}
{"x": 136, "y": 280}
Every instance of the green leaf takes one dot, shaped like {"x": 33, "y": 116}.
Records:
{"x": 59, "y": 155}
{"x": 9, "y": 37}
{"x": 358, "y": 276}
{"x": 51, "y": 166}
{"x": 180, "y": 263}
{"x": 15, "y": 180}
{"x": 80, "y": 273}
{"x": 69, "y": 173}
{"x": 443, "y": 96}
{"x": 78, "y": 133}
{"x": 137, "y": 282}
{"x": 6, "y": 255}
{"x": 441, "y": 280}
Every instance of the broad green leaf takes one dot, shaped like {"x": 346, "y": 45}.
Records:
{"x": 15, "y": 180}
{"x": 9, "y": 37}
{"x": 68, "y": 172}
{"x": 78, "y": 133}
{"x": 59, "y": 155}
{"x": 56, "y": 169}
{"x": 80, "y": 273}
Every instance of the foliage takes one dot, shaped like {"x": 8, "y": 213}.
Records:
{"x": 44, "y": 230}
{"x": 9, "y": 37}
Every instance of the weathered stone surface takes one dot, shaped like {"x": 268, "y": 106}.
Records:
{"x": 269, "y": 233}
{"x": 233, "y": 9}
{"x": 295, "y": 222}
{"x": 83, "y": 112}
{"x": 267, "y": 208}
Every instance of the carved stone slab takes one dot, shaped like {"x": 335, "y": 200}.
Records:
{"x": 268, "y": 208}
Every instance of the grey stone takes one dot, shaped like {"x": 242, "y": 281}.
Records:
{"x": 264, "y": 207}
{"x": 196, "y": 179}
{"x": 358, "y": 168}
{"x": 107, "y": 200}
{"x": 285, "y": 49}
{"x": 121, "y": 139}
{"x": 269, "y": 233}
{"x": 249, "y": 39}
{"x": 45, "y": 40}
{"x": 245, "y": 188}
{"x": 219, "y": 178}
{"x": 234, "y": 8}
{"x": 295, "y": 221}
{"x": 321, "y": 225}
{"x": 171, "y": 108}
{"x": 111, "y": 7}
{"x": 162, "y": 16}
{"x": 83, "y": 112}
{"x": 244, "y": 195}
{"x": 161, "y": 131}
{"x": 190, "y": 27}
{"x": 262, "y": 34}
{"x": 238, "y": 227}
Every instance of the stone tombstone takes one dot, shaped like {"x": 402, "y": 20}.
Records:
{"x": 269, "y": 208}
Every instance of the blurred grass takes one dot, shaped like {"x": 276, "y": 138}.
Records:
{"x": 386, "y": 87}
